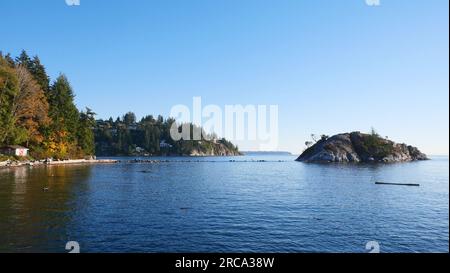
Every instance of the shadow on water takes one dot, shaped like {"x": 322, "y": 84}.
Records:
{"x": 37, "y": 204}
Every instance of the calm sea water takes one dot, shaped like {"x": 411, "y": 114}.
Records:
{"x": 213, "y": 205}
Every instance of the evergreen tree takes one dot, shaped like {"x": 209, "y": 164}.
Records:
{"x": 65, "y": 119}
{"x": 24, "y": 60}
{"x": 9, "y": 60}
{"x": 85, "y": 132}
{"x": 9, "y": 87}
{"x": 129, "y": 118}
{"x": 62, "y": 107}
{"x": 39, "y": 74}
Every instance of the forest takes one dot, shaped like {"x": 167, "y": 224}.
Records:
{"x": 41, "y": 115}
{"x": 151, "y": 136}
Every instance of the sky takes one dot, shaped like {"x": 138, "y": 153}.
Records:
{"x": 330, "y": 66}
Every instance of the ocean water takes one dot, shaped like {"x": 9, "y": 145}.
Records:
{"x": 214, "y": 205}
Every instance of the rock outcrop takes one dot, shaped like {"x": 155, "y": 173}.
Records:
{"x": 215, "y": 149}
{"x": 359, "y": 147}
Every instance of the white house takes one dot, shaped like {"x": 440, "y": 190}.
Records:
{"x": 163, "y": 144}
{"x": 14, "y": 150}
{"x": 139, "y": 150}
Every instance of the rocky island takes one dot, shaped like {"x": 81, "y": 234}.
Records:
{"x": 359, "y": 147}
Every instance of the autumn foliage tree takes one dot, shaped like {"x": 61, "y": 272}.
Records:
{"x": 30, "y": 109}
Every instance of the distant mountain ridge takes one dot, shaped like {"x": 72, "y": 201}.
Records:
{"x": 266, "y": 153}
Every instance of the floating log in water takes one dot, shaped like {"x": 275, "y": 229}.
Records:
{"x": 397, "y": 184}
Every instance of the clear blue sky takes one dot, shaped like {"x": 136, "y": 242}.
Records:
{"x": 331, "y": 66}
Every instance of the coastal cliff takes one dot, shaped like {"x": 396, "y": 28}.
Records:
{"x": 359, "y": 147}
{"x": 214, "y": 149}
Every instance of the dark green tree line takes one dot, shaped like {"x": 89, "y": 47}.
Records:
{"x": 126, "y": 136}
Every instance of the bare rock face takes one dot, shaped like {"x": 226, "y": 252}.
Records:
{"x": 359, "y": 147}
{"x": 217, "y": 149}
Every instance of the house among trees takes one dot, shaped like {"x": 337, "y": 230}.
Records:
{"x": 139, "y": 150}
{"x": 14, "y": 150}
{"x": 163, "y": 144}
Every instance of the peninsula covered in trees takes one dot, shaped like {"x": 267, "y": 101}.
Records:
{"x": 151, "y": 137}
{"x": 41, "y": 116}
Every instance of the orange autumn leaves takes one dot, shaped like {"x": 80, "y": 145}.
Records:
{"x": 30, "y": 107}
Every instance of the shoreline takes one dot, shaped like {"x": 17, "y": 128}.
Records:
{"x": 30, "y": 163}
{"x": 175, "y": 155}
{"x": 14, "y": 164}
